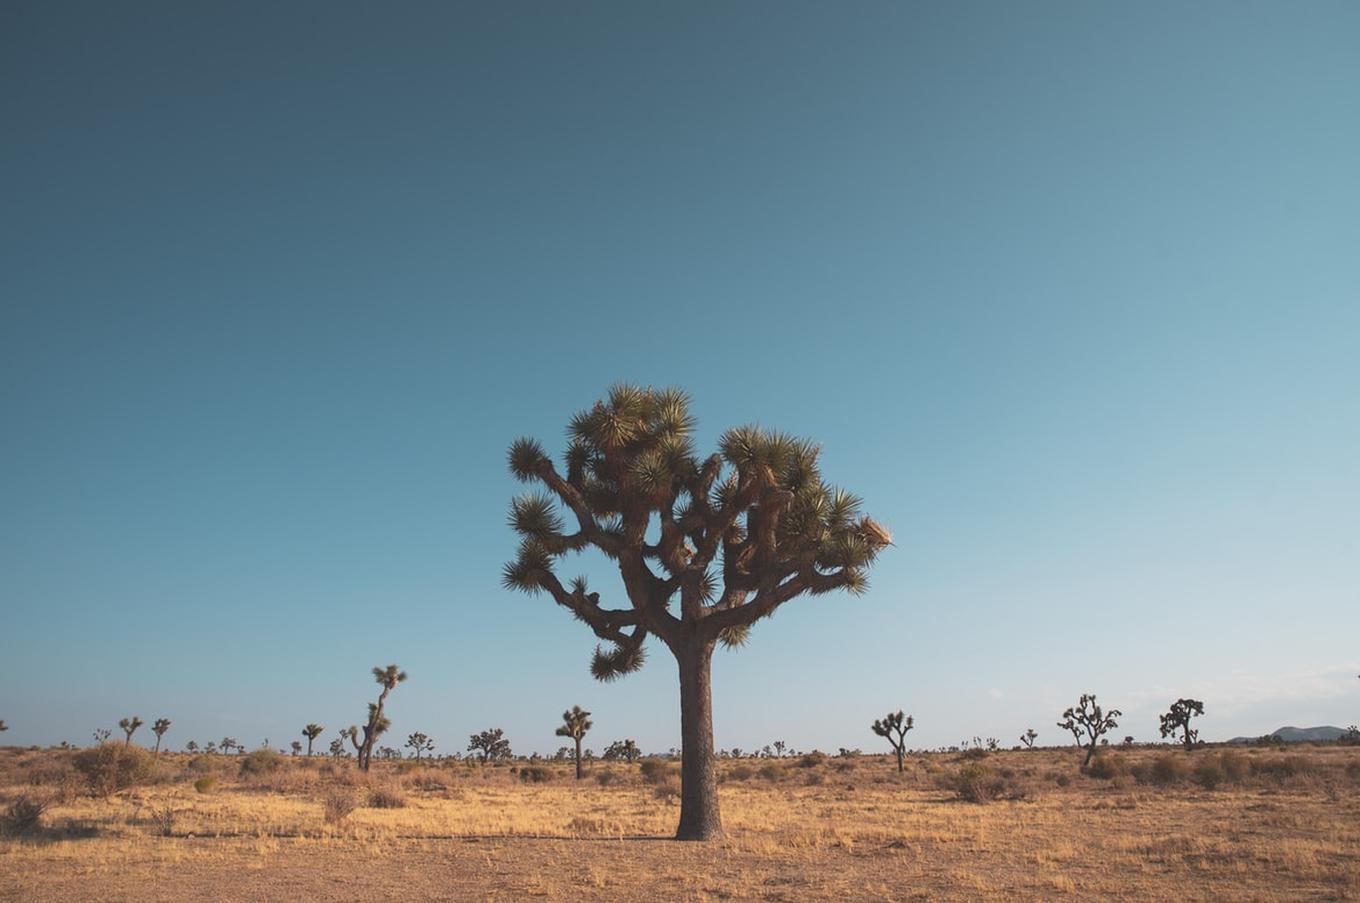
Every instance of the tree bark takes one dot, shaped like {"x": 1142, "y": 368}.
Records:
{"x": 578, "y": 758}
{"x": 699, "y": 817}
{"x": 900, "y": 768}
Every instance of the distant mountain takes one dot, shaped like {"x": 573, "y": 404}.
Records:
{"x": 1299, "y": 734}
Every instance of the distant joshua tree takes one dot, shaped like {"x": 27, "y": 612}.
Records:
{"x": 101, "y": 735}
{"x": 491, "y": 744}
{"x": 352, "y": 733}
{"x": 387, "y": 678}
{"x": 296, "y": 747}
{"x": 228, "y": 744}
{"x": 894, "y": 727}
{"x": 337, "y": 747}
{"x": 191, "y": 746}
{"x": 621, "y": 749}
{"x": 1088, "y": 722}
{"x": 159, "y": 728}
{"x": 420, "y": 743}
{"x": 1178, "y": 718}
{"x": 779, "y": 747}
{"x": 129, "y": 727}
{"x": 311, "y": 732}
{"x": 576, "y": 722}
{"x": 1028, "y": 738}
{"x": 639, "y": 492}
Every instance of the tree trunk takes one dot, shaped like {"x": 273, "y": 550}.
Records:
{"x": 900, "y": 769}
{"x": 578, "y": 758}
{"x": 1090, "y": 751}
{"x": 158, "y": 745}
{"x": 309, "y": 747}
{"x": 699, "y": 817}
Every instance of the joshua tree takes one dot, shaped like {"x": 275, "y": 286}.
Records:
{"x": 420, "y": 743}
{"x": 387, "y": 678}
{"x": 337, "y": 747}
{"x": 352, "y": 733}
{"x": 101, "y": 735}
{"x": 228, "y": 744}
{"x": 779, "y": 747}
{"x": 191, "y": 746}
{"x": 1028, "y": 738}
{"x": 622, "y": 749}
{"x": 159, "y": 728}
{"x": 759, "y": 509}
{"x": 296, "y": 746}
{"x": 575, "y": 724}
{"x": 1178, "y": 718}
{"x": 894, "y": 723}
{"x": 129, "y": 727}
{"x": 1087, "y": 723}
{"x": 491, "y": 744}
{"x": 311, "y": 732}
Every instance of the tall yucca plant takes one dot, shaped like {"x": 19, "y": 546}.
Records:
{"x": 159, "y": 728}
{"x": 377, "y": 724}
{"x": 737, "y": 534}
{"x": 575, "y": 722}
{"x": 311, "y": 732}
{"x": 129, "y": 727}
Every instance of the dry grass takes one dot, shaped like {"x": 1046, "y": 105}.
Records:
{"x": 859, "y": 831}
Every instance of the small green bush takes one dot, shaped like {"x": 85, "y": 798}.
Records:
{"x": 205, "y": 784}
{"x": 535, "y": 774}
{"x": 741, "y": 773}
{"x": 667, "y": 791}
{"x": 976, "y": 783}
{"x": 812, "y": 760}
{"x": 604, "y": 778}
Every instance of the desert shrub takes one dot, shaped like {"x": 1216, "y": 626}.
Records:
{"x": 535, "y": 774}
{"x": 386, "y": 798}
{"x": 1279, "y": 768}
{"x": 1236, "y": 767}
{"x": 814, "y": 778}
{"x": 1168, "y": 768}
{"x": 812, "y": 760}
{"x": 109, "y": 767}
{"x": 976, "y": 783}
{"x": 1106, "y": 767}
{"x": 163, "y": 820}
{"x": 205, "y": 784}
{"x": 667, "y": 791}
{"x": 1353, "y": 771}
{"x": 24, "y": 815}
{"x": 772, "y": 772}
{"x": 843, "y": 766}
{"x": 427, "y": 782}
{"x": 742, "y": 773}
{"x": 655, "y": 771}
{"x": 1059, "y": 778}
{"x": 202, "y": 764}
{"x": 1208, "y": 772}
{"x": 974, "y": 754}
{"x": 338, "y": 803}
{"x": 261, "y": 762}
{"x": 605, "y": 778}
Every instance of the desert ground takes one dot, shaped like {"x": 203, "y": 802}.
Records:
{"x": 1259, "y": 823}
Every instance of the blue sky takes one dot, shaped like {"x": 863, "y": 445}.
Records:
{"x": 1068, "y": 292}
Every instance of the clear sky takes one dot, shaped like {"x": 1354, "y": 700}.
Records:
{"x": 1070, "y": 292}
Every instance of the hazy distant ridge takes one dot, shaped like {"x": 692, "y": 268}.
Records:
{"x": 1299, "y": 734}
